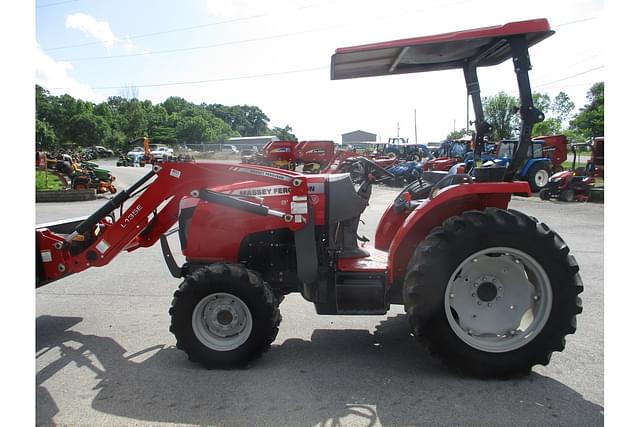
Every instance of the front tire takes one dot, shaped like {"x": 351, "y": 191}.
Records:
{"x": 224, "y": 316}
{"x": 567, "y": 195}
{"x": 492, "y": 293}
{"x": 545, "y": 194}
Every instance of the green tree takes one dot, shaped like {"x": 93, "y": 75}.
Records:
{"x": 284, "y": 134}
{"x": 562, "y": 106}
{"x": 458, "y": 134}
{"x": 175, "y": 104}
{"x": 88, "y": 129}
{"x": 45, "y": 135}
{"x": 550, "y": 126}
{"x": 589, "y": 122}
{"x": 500, "y": 111}
{"x": 192, "y": 130}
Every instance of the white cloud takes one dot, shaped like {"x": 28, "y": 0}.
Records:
{"x": 99, "y": 30}
{"x": 128, "y": 45}
{"x": 54, "y": 76}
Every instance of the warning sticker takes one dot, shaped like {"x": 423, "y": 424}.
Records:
{"x": 175, "y": 173}
{"x": 298, "y": 208}
{"x": 102, "y": 246}
{"x": 46, "y": 256}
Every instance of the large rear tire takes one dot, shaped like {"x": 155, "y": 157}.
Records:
{"x": 224, "y": 316}
{"x": 492, "y": 293}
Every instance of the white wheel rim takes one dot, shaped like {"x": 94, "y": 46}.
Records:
{"x": 498, "y": 300}
{"x": 222, "y": 321}
{"x": 542, "y": 178}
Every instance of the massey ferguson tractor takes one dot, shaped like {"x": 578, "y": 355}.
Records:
{"x": 491, "y": 291}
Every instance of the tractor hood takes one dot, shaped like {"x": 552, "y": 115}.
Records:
{"x": 487, "y": 46}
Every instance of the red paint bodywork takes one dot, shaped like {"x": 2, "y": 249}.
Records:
{"x": 216, "y": 232}
{"x": 440, "y": 164}
{"x": 321, "y": 152}
{"x": 555, "y": 147}
{"x": 400, "y": 233}
{"x": 172, "y": 183}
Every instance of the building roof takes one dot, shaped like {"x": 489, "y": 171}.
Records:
{"x": 358, "y": 136}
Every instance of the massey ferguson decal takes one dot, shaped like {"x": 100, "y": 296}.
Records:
{"x": 267, "y": 191}
{"x": 260, "y": 172}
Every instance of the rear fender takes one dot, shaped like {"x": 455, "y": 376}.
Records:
{"x": 451, "y": 201}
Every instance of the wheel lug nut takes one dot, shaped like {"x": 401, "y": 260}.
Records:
{"x": 475, "y": 260}
{"x": 536, "y": 297}
{"x": 451, "y": 295}
{"x": 512, "y": 307}
{"x": 489, "y": 304}
{"x": 473, "y": 294}
{"x": 479, "y": 303}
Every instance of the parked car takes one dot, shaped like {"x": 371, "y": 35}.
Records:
{"x": 136, "y": 151}
{"x": 160, "y": 152}
{"x": 230, "y": 148}
{"x": 102, "y": 151}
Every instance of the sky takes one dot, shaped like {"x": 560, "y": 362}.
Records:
{"x": 275, "y": 54}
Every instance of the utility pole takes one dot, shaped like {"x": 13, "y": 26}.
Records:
{"x": 398, "y": 135}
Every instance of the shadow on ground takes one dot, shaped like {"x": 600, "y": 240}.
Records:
{"x": 348, "y": 377}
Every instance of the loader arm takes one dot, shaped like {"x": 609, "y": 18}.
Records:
{"x": 98, "y": 239}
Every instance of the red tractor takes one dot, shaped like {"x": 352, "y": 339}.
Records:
{"x": 569, "y": 185}
{"x": 448, "y": 154}
{"x": 555, "y": 148}
{"x": 490, "y": 290}
{"x": 315, "y": 155}
{"x": 277, "y": 154}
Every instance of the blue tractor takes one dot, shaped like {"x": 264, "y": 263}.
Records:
{"x": 536, "y": 168}
{"x": 401, "y": 149}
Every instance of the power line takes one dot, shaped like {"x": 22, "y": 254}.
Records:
{"x": 564, "y": 86}
{"x": 570, "y": 77}
{"x": 235, "y": 42}
{"x": 577, "y": 21}
{"x": 193, "y": 27}
{"x": 157, "y": 33}
{"x": 55, "y": 4}
{"x": 194, "y": 82}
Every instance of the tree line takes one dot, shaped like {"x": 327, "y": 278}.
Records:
{"x": 501, "y": 111}
{"x": 64, "y": 121}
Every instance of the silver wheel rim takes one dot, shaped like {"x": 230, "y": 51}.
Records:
{"x": 498, "y": 300}
{"x": 222, "y": 321}
{"x": 541, "y": 178}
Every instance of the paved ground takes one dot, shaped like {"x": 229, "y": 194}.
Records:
{"x": 104, "y": 354}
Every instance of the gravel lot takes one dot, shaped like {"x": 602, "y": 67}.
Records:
{"x": 104, "y": 355}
